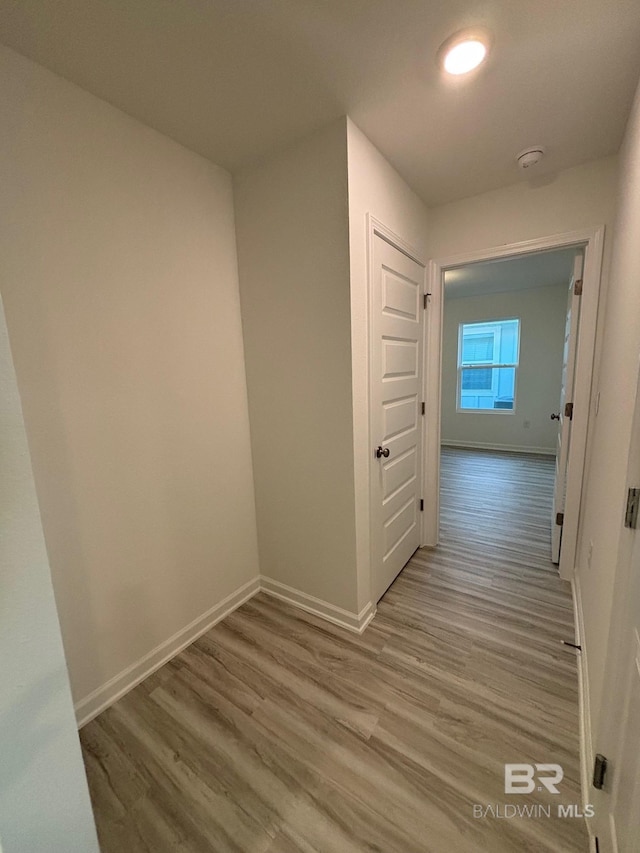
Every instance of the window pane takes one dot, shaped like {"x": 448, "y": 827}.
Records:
{"x": 478, "y": 348}
{"x": 477, "y": 380}
{"x": 508, "y": 350}
{"x": 488, "y": 388}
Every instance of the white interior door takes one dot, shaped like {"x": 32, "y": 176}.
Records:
{"x": 397, "y": 321}
{"x": 623, "y": 824}
{"x": 566, "y": 400}
{"x": 617, "y": 807}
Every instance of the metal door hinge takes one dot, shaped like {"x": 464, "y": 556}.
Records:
{"x": 599, "y": 771}
{"x": 633, "y": 504}
{"x": 568, "y": 411}
{"x": 421, "y": 504}
{"x": 560, "y": 518}
{"x": 423, "y": 408}
{"x": 577, "y": 287}
{"x": 426, "y": 299}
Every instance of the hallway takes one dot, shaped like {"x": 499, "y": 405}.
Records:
{"x": 278, "y": 732}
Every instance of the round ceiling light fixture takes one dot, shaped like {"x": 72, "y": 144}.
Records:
{"x": 464, "y": 50}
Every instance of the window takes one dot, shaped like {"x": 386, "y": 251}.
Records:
{"x": 487, "y": 365}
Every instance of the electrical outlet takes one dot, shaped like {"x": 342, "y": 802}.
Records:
{"x": 589, "y": 554}
{"x": 526, "y": 424}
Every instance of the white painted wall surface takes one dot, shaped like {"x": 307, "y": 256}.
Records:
{"x": 606, "y": 495}
{"x": 542, "y": 312}
{"x": 374, "y": 188}
{"x": 575, "y": 198}
{"x": 294, "y": 275}
{"x": 44, "y": 800}
{"x": 119, "y": 276}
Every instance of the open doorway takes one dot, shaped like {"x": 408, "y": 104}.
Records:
{"x": 510, "y": 350}
{"x": 509, "y": 334}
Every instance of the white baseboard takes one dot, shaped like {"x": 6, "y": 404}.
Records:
{"x": 509, "y": 448}
{"x": 586, "y": 743}
{"x": 105, "y": 695}
{"x": 345, "y": 618}
{"x": 89, "y": 707}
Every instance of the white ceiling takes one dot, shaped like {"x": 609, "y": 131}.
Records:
{"x": 542, "y": 269}
{"x": 236, "y": 79}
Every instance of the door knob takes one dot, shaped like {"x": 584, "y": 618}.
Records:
{"x": 555, "y": 417}
{"x": 382, "y": 451}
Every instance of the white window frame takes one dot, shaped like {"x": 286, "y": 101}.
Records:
{"x": 493, "y": 327}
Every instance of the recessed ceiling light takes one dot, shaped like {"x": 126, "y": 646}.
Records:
{"x": 464, "y": 50}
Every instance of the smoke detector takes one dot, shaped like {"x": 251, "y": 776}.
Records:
{"x": 530, "y": 156}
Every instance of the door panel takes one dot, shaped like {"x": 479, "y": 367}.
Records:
{"x": 617, "y": 807}
{"x": 398, "y": 528}
{"x": 398, "y": 473}
{"x": 396, "y": 423}
{"x": 399, "y": 297}
{"x": 399, "y": 416}
{"x": 625, "y": 805}
{"x": 566, "y": 396}
{"x": 400, "y": 359}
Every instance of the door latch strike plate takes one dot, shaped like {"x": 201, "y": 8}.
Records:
{"x": 633, "y": 505}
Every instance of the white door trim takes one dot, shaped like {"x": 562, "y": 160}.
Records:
{"x": 592, "y": 239}
{"x": 377, "y": 227}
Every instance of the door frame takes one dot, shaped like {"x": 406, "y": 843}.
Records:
{"x": 592, "y": 240}
{"x": 377, "y": 227}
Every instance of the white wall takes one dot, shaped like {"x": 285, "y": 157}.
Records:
{"x": 44, "y": 800}
{"x": 542, "y": 312}
{"x": 575, "y": 198}
{"x": 302, "y": 240}
{"x": 294, "y": 274}
{"x": 606, "y": 495}
{"x": 120, "y": 285}
{"x": 374, "y": 188}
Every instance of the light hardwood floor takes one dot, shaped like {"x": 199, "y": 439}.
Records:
{"x": 278, "y": 732}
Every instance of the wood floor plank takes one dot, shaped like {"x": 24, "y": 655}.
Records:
{"x": 279, "y": 732}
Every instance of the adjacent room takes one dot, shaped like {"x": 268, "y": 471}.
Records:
{"x": 512, "y": 314}
{"x": 505, "y": 347}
